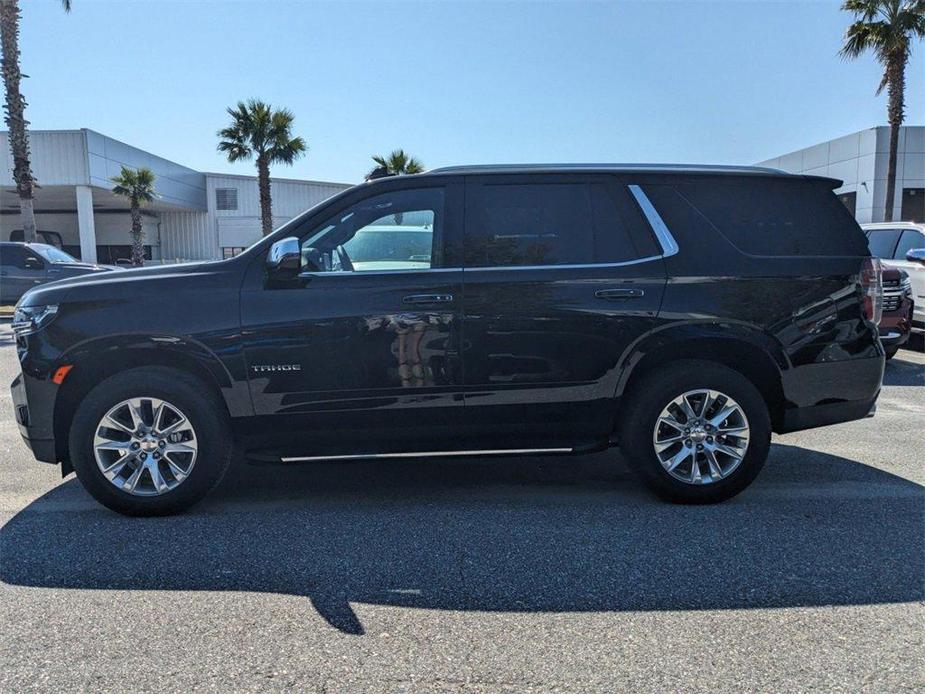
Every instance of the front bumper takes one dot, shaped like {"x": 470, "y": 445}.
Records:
{"x": 38, "y": 435}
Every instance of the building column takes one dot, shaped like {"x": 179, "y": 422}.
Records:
{"x": 85, "y": 228}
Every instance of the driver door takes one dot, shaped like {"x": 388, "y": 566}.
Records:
{"x": 361, "y": 353}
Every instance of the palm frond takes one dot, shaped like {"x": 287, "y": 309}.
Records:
{"x": 886, "y": 29}
{"x": 257, "y": 130}
{"x": 398, "y": 162}
{"x": 135, "y": 184}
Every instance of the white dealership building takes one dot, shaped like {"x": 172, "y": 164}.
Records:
{"x": 201, "y": 215}
{"x": 860, "y": 161}
{"x": 196, "y": 215}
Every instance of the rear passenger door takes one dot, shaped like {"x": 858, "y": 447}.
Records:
{"x": 561, "y": 275}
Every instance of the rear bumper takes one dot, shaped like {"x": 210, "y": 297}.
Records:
{"x": 828, "y": 393}
{"x": 823, "y": 415}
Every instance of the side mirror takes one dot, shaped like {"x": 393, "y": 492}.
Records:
{"x": 916, "y": 255}
{"x": 284, "y": 259}
{"x": 33, "y": 264}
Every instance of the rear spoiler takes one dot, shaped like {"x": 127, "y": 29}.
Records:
{"x": 832, "y": 183}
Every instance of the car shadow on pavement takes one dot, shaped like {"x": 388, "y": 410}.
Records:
{"x": 553, "y": 534}
{"x": 902, "y": 372}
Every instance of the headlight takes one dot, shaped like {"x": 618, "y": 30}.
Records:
{"x": 30, "y": 319}
{"x": 906, "y": 287}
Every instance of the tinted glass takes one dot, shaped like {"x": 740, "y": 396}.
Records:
{"x": 392, "y": 231}
{"x": 54, "y": 255}
{"x": 909, "y": 240}
{"x": 882, "y": 242}
{"x": 774, "y": 217}
{"x": 13, "y": 256}
{"x": 513, "y": 224}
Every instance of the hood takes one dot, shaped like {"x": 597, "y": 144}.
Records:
{"x": 99, "y": 277}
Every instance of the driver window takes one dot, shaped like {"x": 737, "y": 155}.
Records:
{"x": 392, "y": 231}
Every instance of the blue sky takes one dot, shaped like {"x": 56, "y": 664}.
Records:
{"x": 475, "y": 82}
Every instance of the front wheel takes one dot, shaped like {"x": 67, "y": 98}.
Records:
{"x": 696, "y": 431}
{"x": 150, "y": 441}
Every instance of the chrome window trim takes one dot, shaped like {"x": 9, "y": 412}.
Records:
{"x": 575, "y": 266}
{"x": 662, "y": 233}
{"x": 659, "y": 228}
{"x": 372, "y": 273}
{"x": 489, "y": 268}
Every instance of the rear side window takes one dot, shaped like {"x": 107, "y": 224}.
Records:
{"x": 769, "y": 217}
{"x": 524, "y": 224}
{"x": 882, "y": 242}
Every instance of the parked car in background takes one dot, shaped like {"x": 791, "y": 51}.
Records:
{"x": 27, "y": 265}
{"x": 896, "y": 322}
{"x": 902, "y": 245}
{"x": 49, "y": 238}
{"x": 680, "y": 313}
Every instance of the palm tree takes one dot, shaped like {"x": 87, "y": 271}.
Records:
{"x": 15, "y": 108}
{"x": 887, "y": 27}
{"x": 398, "y": 163}
{"x": 260, "y": 132}
{"x": 138, "y": 187}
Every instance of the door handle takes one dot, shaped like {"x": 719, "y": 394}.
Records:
{"x": 619, "y": 293}
{"x": 428, "y": 299}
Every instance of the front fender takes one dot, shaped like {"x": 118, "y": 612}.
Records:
{"x": 113, "y": 353}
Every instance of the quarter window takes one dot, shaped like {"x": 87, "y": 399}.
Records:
{"x": 393, "y": 231}
{"x": 768, "y": 217}
{"x": 510, "y": 225}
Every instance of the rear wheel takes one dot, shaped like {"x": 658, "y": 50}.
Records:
{"x": 696, "y": 431}
{"x": 150, "y": 441}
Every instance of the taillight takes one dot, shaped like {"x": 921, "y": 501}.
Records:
{"x": 872, "y": 289}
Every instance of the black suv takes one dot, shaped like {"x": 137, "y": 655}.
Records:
{"x": 681, "y": 313}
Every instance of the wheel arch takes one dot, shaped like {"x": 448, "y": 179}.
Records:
{"x": 750, "y": 352}
{"x": 98, "y": 360}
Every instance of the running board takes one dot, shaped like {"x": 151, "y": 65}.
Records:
{"x": 428, "y": 454}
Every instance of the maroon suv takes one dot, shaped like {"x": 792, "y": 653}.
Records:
{"x": 896, "y": 324}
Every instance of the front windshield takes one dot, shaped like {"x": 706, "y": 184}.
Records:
{"x": 52, "y": 254}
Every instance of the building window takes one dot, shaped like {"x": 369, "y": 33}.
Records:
{"x": 231, "y": 251}
{"x": 849, "y": 200}
{"x": 913, "y": 209}
{"x": 226, "y": 198}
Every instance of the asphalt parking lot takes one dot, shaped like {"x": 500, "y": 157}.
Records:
{"x": 488, "y": 575}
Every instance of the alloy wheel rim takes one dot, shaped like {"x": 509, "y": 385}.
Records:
{"x": 701, "y": 436}
{"x": 145, "y": 446}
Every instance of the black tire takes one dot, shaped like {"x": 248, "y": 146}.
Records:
{"x": 652, "y": 394}
{"x": 205, "y": 412}
{"x": 891, "y": 351}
